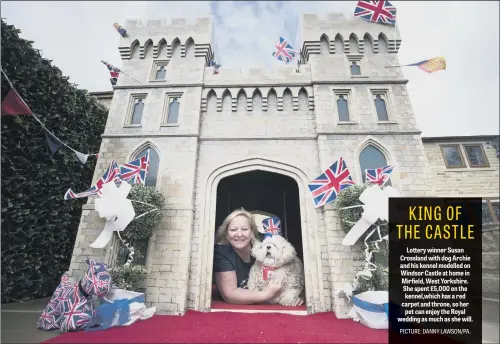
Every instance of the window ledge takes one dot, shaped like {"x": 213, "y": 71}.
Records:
{"x": 360, "y": 76}
{"x": 133, "y": 126}
{"x": 387, "y": 122}
{"x": 163, "y": 80}
{"x": 347, "y": 123}
{"x": 170, "y": 125}
{"x": 470, "y": 169}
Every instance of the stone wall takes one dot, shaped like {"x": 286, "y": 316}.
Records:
{"x": 470, "y": 182}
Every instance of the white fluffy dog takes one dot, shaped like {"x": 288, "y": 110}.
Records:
{"x": 276, "y": 258}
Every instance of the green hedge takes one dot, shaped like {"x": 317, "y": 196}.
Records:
{"x": 38, "y": 227}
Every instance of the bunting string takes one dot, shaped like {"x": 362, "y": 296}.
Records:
{"x": 81, "y": 156}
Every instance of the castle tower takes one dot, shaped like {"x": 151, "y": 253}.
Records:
{"x": 254, "y": 138}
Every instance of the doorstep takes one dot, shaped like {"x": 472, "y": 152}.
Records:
{"x": 221, "y": 306}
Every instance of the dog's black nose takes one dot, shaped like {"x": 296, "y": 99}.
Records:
{"x": 268, "y": 247}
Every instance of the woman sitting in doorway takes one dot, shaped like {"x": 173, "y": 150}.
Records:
{"x": 232, "y": 260}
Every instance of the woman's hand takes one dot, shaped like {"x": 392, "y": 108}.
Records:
{"x": 274, "y": 288}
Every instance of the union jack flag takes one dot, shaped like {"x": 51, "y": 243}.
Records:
{"x": 284, "y": 51}
{"x": 51, "y": 315}
{"x": 378, "y": 175}
{"x": 135, "y": 171}
{"x": 376, "y": 11}
{"x": 272, "y": 226}
{"x": 77, "y": 310}
{"x": 97, "y": 280}
{"x": 111, "y": 174}
{"x": 328, "y": 185}
{"x": 114, "y": 72}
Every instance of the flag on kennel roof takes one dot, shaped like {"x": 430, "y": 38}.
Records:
{"x": 284, "y": 51}
{"x": 329, "y": 184}
{"x": 376, "y": 11}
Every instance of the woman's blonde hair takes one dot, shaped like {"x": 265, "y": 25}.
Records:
{"x": 221, "y": 236}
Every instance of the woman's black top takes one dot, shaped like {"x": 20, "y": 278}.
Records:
{"x": 226, "y": 259}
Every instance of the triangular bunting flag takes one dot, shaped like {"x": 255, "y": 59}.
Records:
{"x": 120, "y": 29}
{"x": 12, "y": 103}
{"x": 52, "y": 142}
{"x": 82, "y": 157}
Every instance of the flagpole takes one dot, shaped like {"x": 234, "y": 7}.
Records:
{"x": 131, "y": 76}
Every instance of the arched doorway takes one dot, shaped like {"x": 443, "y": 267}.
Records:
{"x": 267, "y": 192}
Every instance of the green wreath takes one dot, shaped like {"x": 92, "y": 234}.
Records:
{"x": 348, "y": 217}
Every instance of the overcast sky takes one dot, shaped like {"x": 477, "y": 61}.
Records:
{"x": 463, "y": 100}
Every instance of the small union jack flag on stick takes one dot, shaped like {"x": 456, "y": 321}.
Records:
{"x": 376, "y": 11}
{"x": 379, "y": 176}
{"x": 114, "y": 72}
{"x": 284, "y": 51}
{"x": 328, "y": 185}
{"x": 272, "y": 226}
{"x": 136, "y": 171}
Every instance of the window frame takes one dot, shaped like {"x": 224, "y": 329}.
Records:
{"x": 169, "y": 97}
{"x": 457, "y": 146}
{"x": 359, "y": 61}
{"x": 464, "y": 156}
{"x": 488, "y": 201}
{"x": 347, "y": 94}
{"x": 385, "y": 95}
{"x": 154, "y": 69}
{"x": 130, "y": 111}
{"x": 482, "y": 151}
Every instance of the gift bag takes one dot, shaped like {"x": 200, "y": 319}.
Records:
{"x": 371, "y": 309}
{"x": 121, "y": 307}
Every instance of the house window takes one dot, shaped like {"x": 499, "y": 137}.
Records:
{"x": 343, "y": 108}
{"x": 475, "y": 156}
{"x": 491, "y": 211}
{"x": 158, "y": 70}
{"x": 381, "y": 108}
{"x": 172, "y": 108}
{"x": 355, "y": 70}
{"x": 136, "y": 110}
{"x": 371, "y": 157}
{"x": 161, "y": 73}
{"x": 452, "y": 156}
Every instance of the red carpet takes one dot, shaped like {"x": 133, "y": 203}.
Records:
{"x": 226, "y": 327}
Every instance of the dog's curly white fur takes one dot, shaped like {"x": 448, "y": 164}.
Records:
{"x": 279, "y": 255}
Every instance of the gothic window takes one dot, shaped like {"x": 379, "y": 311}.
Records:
{"x": 241, "y": 101}
{"x": 272, "y": 100}
{"x": 257, "y": 101}
{"x": 141, "y": 246}
{"x": 452, "y": 156}
{"x": 475, "y": 155}
{"x": 324, "y": 45}
{"x": 226, "y": 101}
{"x": 369, "y": 158}
{"x": 353, "y": 44}
{"x": 173, "y": 111}
{"x": 381, "y": 107}
{"x": 211, "y": 102}
{"x": 154, "y": 162}
{"x": 287, "y": 100}
{"x": 355, "y": 70}
{"x": 303, "y": 100}
{"x": 161, "y": 73}
{"x": 343, "y": 108}
{"x": 368, "y": 43}
{"x": 137, "y": 111}
{"x": 339, "y": 44}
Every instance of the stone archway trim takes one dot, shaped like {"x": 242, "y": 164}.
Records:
{"x": 310, "y": 240}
